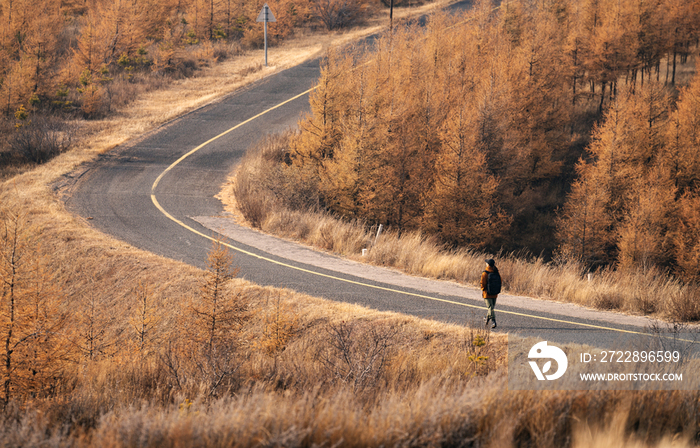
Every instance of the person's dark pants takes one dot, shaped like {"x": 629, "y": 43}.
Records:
{"x": 491, "y": 305}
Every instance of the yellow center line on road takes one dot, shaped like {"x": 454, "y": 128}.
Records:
{"x": 155, "y": 184}
{"x": 320, "y": 274}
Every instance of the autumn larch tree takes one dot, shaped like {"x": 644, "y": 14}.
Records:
{"x": 145, "y": 320}
{"x": 31, "y": 316}
{"x": 624, "y": 196}
{"x": 585, "y": 223}
{"x": 643, "y": 236}
{"x": 212, "y": 321}
{"x": 686, "y": 244}
{"x": 682, "y": 151}
{"x": 682, "y": 159}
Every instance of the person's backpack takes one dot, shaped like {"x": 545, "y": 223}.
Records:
{"x": 493, "y": 283}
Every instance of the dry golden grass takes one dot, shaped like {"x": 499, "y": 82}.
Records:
{"x": 612, "y": 433}
{"x": 86, "y": 263}
{"x": 427, "y": 393}
{"x": 477, "y": 413}
{"x": 296, "y": 393}
{"x": 125, "y": 398}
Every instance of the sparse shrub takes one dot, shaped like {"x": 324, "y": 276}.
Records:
{"x": 476, "y": 346}
{"x": 357, "y": 352}
{"x": 253, "y": 203}
{"x": 145, "y": 320}
{"x": 253, "y": 37}
{"x": 264, "y": 179}
{"x": 185, "y": 67}
{"x": 339, "y": 13}
{"x": 644, "y": 303}
{"x": 684, "y": 306}
{"x": 325, "y": 235}
{"x": 93, "y": 104}
{"x": 41, "y": 138}
{"x": 224, "y": 50}
{"x": 608, "y": 301}
{"x": 280, "y": 324}
{"x": 94, "y": 321}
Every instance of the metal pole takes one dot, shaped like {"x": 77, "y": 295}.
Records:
{"x": 379, "y": 232}
{"x": 265, "y": 21}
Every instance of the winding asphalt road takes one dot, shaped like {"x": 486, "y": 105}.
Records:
{"x": 146, "y": 194}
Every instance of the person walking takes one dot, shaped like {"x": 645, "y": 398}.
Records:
{"x": 490, "y": 287}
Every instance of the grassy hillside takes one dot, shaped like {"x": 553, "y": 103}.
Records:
{"x": 110, "y": 345}
{"x": 130, "y": 362}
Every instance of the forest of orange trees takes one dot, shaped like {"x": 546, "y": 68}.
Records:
{"x": 564, "y": 127}
{"x": 63, "y": 54}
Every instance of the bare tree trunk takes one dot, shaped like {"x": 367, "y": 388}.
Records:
{"x": 673, "y": 78}
{"x": 11, "y": 237}
{"x": 211, "y": 20}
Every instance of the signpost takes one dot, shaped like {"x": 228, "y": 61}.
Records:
{"x": 266, "y": 16}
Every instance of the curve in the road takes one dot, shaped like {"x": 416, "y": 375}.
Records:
{"x": 119, "y": 192}
{"x": 334, "y": 277}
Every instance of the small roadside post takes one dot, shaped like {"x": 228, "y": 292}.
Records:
{"x": 266, "y": 16}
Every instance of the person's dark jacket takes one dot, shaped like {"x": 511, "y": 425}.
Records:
{"x": 484, "y": 280}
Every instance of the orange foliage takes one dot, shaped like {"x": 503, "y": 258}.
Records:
{"x": 635, "y": 202}
{"x": 685, "y": 237}
{"x": 33, "y": 345}
{"x": 48, "y": 44}
{"x": 472, "y": 132}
